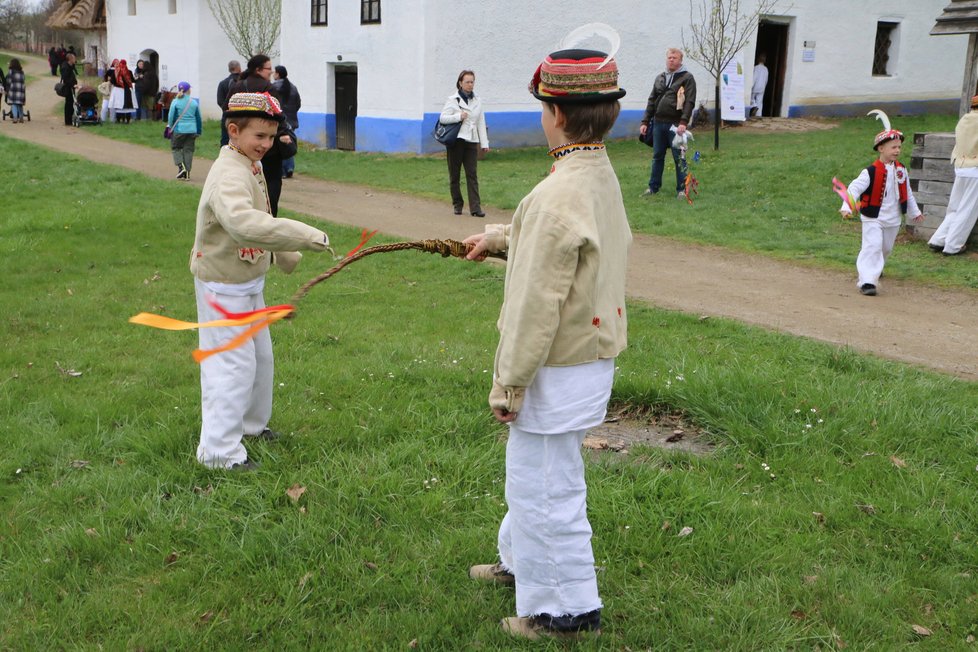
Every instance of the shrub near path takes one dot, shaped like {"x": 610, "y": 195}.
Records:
{"x": 908, "y": 321}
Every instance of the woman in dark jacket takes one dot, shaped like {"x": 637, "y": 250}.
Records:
{"x": 68, "y": 82}
{"x": 16, "y": 90}
{"x": 291, "y": 103}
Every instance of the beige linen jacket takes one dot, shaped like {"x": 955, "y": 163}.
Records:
{"x": 965, "y": 152}
{"x": 564, "y": 295}
{"x": 237, "y": 238}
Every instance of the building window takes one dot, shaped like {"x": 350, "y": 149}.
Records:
{"x": 132, "y": 7}
{"x": 369, "y": 11}
{"x": 318, "y": 12}
{"x": 885, "y": 49}
{"x": 173, "y": 6}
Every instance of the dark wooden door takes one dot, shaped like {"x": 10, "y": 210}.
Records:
{"x": 346, "y": 109}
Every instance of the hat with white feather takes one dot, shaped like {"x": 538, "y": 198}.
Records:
{"x": 888, "y": 132}
{"x": 572, "y": 75}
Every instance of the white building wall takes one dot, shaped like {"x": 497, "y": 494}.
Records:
{"x": 407, "y": 65}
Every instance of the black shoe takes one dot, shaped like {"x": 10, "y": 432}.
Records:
{"x": 937, "y": 248}
{"x": 267, "y": 434}
{"x": 956, "y": 253}
{"x": 478, "y": 214}
{"x": 288, "y": 175}
{"x": 248, "y": 465}
{"x": 868, "y": 289}
{"x": 182, "y": 173}
{"x": 458, "y": 210}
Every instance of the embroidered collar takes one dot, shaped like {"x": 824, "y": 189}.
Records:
{"x": 563, "y": 150}
{"x": 255, "y": 168}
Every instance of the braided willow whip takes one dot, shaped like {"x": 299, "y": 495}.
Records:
{"x": 444, "y": 247}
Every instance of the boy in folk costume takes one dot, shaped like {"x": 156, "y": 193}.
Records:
{"x": 561, "y": 325}
{"x": 236, "y": 241}
{"x": 885, "y": 197}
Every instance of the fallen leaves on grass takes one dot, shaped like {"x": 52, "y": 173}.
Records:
{"x": 92, "y": 532}
{"x": 920, "y": 630}
{"x": 79, "y": 464}
{"x": 171, "y": 558}
{"x": 305, "y": 578}
{"x": 295, "y": 492}
{"x": 206, "y": 617}
{"x": 868, "y": 509}
{"x": 675, "y": 436}
{"x": 897, "y": 462}
{"x": 685, "y": 532}
{"x": 369, "y": 564}
{"x": 67, "y": 372}
{"x": 819, "y": 517}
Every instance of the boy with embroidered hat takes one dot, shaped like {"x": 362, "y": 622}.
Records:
{"x": 561, "y": 326}
{"x": 236, "y": 241}
{"x": 885, "y": 197}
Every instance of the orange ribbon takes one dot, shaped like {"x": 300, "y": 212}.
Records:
{"x": 258, "y": 318}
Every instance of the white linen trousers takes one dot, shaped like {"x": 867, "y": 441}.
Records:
{"x": 878, "y": 239}
{"x": 962, "y": 213}
{"x": 545, "y": 537}
{"x": 235, "y": 385}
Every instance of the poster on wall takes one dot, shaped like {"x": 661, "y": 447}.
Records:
{"x": 732, "y": 90}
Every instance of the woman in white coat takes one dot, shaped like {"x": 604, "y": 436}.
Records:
{"x": 463, "y": 106}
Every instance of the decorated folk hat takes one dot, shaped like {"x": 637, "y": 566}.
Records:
{"x": 888, "y": 132}
{"x": 254, "y": 105}
{"x": 577, "y": 76}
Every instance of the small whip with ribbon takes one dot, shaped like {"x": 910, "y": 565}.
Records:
{"x": 259, "y": 319}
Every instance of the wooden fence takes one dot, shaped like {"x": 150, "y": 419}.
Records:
{"x": 931, "y": 177}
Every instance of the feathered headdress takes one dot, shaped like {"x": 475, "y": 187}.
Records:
{"x": 888, "y": 132}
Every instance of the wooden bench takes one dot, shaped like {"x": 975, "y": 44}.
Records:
{"x": 931, "y": 177}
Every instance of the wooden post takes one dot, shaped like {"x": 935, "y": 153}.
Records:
{"x": 970, "y": 75}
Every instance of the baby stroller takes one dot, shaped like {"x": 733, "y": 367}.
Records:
{"x": 86, "y": 107}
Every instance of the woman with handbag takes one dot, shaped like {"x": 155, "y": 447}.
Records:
{"x": 185, "y": 126}
{"x": 465, "y": 108}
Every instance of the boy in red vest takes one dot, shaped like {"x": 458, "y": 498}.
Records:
{"x": 885, "y": 197}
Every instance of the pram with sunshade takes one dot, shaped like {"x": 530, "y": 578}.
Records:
{"x": 86, "y": 107}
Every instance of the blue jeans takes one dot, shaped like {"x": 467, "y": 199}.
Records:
{"x": 16, "y": 111}
{"x": 288, "y": 165}
{"x": 661, "y": 140}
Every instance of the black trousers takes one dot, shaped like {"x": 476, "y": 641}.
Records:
{"x": 273, "y": 183}
{"x": 69, "y": 108}
{"x": 464, "y": 154}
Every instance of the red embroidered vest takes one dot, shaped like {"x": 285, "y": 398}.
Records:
{"x": 871, "y": 200}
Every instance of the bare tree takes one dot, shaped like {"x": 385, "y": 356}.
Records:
{"x": 719, "y": 29}
{"x": 252, "y": 26}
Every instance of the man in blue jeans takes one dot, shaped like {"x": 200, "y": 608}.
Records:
{"x": 670, "y": 104}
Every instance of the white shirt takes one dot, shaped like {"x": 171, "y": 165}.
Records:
{"x": 890, "y": 214}
{"x": 565, "y": 399}
{"x": 760, "y": 78}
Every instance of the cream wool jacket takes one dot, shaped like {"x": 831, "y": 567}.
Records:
{"x": 965, "y": 152}
{"x": 473, "y": 129}
{"x": 564, "y": 294}
{"x": 237, "y": 238}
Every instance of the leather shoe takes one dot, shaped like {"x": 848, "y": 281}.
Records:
{"x": 478, "y": 214}
{"x": 868, "y": 289}
{"x": 458, "y": 211}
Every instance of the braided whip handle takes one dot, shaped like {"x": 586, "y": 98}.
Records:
{"x": 445, "y": 248}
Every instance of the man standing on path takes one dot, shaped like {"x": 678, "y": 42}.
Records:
{"x": 757, "y": 88}
{"x": 234, "y": 69}
{"x": 670, "y": 105}
{"x": 68, "y": 83}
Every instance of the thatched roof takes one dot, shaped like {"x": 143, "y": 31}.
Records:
{"x": 959, "y": 17}
{"x": 79, "y": 14}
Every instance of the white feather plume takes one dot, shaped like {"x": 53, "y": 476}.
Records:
{"x": 882, "y": 117}
{"x": 585, "y": 32}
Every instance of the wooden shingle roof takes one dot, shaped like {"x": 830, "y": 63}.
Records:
{"x": 78, "y": 14}
{"x": 959, "y": 17}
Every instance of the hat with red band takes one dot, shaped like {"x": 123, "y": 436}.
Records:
{"x": 577, "y": 76}
{"x": 254, "y": 105}
{"x": 888, "y": 132}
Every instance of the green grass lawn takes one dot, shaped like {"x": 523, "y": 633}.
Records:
{"x": 761, "y": 192}
{"x": 837, "y": 510}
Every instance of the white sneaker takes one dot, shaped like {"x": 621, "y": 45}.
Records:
{"x": 647, "y": 193}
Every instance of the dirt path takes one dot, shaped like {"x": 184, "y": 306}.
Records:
{"x": 908, "y": 322}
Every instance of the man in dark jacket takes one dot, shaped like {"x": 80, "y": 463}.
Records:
{"x": 68, "y": 83}
{"x": 234, "y": 69}
{"x": 670, "y": 104}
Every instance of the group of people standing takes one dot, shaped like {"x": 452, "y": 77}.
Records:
{"x": 260, "y": 76}
{"x": 128, "y": 94}
{"x": 57, "y": 56}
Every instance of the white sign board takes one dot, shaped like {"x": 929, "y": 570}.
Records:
{"x": 732, "y": 90}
